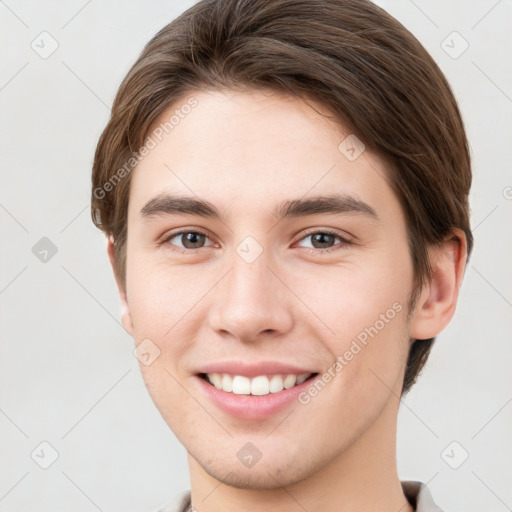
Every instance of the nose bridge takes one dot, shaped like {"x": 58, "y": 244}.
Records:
{"x": 248, "y": 300}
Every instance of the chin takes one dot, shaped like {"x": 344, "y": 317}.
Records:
{"x": 264, "y": 474}
{"x": 257, "y": 479}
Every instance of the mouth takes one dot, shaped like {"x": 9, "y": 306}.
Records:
{"x": 259, "y": 385}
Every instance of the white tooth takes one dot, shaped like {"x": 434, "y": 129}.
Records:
{"x": 289, "y": 381}
{"x": 241, "y": 385}
{"x": 216, "y": 379}
{"x": 302, "y": 377}
{"x": 276, "y": 384}
{"x": 227, "y": 382}
{"x": 260, "y": 385}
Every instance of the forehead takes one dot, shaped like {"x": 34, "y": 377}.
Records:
{"x": 253, "y": 149}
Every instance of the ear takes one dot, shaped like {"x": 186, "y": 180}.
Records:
{"x": 438, "y": 298}
{"x": 125, "y": 309}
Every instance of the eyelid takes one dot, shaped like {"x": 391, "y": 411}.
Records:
{"x": 347, "y": 237}
{"x": 331, "y": 231}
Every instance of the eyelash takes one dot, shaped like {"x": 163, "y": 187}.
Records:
{"x": 344, "y": 241}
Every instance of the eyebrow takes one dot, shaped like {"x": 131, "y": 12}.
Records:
{"x": 165, "y": 204}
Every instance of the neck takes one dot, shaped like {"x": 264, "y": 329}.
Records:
{"x": 363, "y": 477}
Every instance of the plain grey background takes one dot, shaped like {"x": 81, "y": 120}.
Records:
{"x": 68, "y": 375}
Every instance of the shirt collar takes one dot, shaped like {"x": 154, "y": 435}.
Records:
{"x": 417, "y": 494}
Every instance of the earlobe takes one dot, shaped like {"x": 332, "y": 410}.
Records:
{"x": 438, "y": 299}
{"x": 125, "y": 309}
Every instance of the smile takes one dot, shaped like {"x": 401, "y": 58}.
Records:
{"x": 258, "y": 385}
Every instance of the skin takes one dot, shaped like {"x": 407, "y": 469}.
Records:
{"x": 246, "y": 152}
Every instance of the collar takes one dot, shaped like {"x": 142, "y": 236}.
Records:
{"x": 417, "y": 493}
{"x": 419, "y": 496}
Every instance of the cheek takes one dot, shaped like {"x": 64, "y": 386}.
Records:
{"x": 161, "y": 303}
{"x": 159, "y": 297}
{"x": 350, "y": 301}
{"x": 368, "y": 351}
{"x": 365, "y": 314}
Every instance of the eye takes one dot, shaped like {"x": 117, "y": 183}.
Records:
{"x": 322, "y": 241}
{"x": 189, "y": 240}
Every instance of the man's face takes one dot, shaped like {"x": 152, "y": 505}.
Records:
{"x": 249, "y": 291}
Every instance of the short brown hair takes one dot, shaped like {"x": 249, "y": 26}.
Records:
{"x": 348, "y": 55}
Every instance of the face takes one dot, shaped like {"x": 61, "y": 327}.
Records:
{"x": 297, "y": 264}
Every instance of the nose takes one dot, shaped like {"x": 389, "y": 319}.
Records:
{"x": 251, "y": 302}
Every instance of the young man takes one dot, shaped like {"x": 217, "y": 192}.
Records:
{"x": 284, "y": 187}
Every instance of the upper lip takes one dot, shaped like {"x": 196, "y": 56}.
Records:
{"x": 253, "y": 369}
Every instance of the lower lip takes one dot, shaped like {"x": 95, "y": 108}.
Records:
{"x": 252, "y": 407}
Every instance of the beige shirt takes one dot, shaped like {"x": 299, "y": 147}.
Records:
{"x": 416, "y": 493}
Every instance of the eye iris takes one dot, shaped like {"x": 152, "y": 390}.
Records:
{"x": 192, "y": 240}
{"x": 320, "y": 238}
